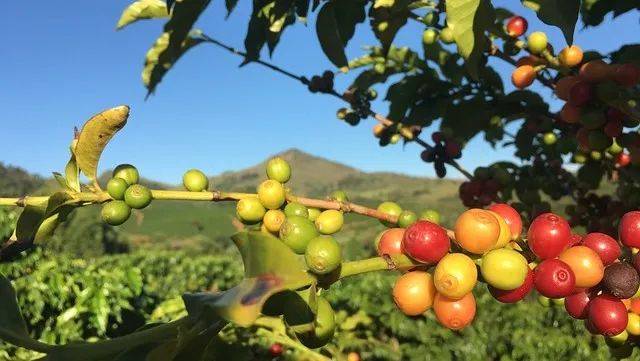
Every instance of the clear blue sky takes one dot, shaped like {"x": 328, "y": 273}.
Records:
{"x": 61, "y": 62}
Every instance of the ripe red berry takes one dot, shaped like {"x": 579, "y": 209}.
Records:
{"x": 577, "y": 304}
{"x": 575, "y": 239}
{"x": 623, "y": 159}
{"x": 548, "y": 235}
{"x": 276, "y": 350}
{"x": 629, "y": 229}
{"x": 627, "y": 75}
{"x": 511, "y": 216}
{"x": 452, "y": 148}
{"x": 425, "y": 242}
{"x": 608, "y": 315}
{"x": 516, "y": 26}
{"x": 513, "y": 296}
{"x": 605, "y": 246}
{"x": 580, "y": 94}
{"x": 554, "y": 279}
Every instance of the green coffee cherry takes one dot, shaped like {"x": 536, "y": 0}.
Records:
{"x": 446, "y": 35}
{"x": 429, "y": 36}
{"x": 195, "y": 181}
{"x": 296, "y": 232}
{"x": 339, "y": 195}
{"x": 296, "y": 209}
{"x": 431, "y": 18}
{"x": 395, "y": 138}
{"x": 116, "y": 188}
{"x": 323, "y": 255}
{"x": 390, "y": 208}
{"x": 115, "y": 213}
{"x": 250, "y": 210}
{"x": 430, "y": 215}
{"x": 550, "y": 138}
{"x": 407, "y": 218}
{"x": 279, "y": 170}
{"x": 137, "y": 196}
{"x": 329, "y": 221}
{"x": 325, "y": 325}
{"x": 127, "y": 172}
{"x": 313, "y": 214}
{"x": 271, "y": 194}
{"x": 615, "y": 148}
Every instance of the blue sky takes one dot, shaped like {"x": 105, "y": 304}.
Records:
{"x": 61, "y": 62}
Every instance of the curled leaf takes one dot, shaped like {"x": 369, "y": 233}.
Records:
{"x": 142, "y": 9}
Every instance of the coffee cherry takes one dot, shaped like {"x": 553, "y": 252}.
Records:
{"x": 564, "y": 85}
{"x": 250, "y": 210}
{"x": 454, "y": 314}
{"x": 627, "y": 75}
{"x": 378, "y": 129}
{"x": 516, "y": 26}
{"x": 635, "y": 305}
{"x": 372, "y": 94}
{"x": 594, "y": 71}
{"x": 446, "y": 35}
{"x": 477, "y": 231}
{"x": 431, "y": 18}
{"x": 621, "y": 280}
{"x": 353, "y": 356}
{"x": 570, "y": 114}
{"x": 605, "y": 246}
{"x": 329, "y": 221}
{"x": 296, "y": 209}
{"x": 323, "y": 255}
{"x": 548, "y": 235}
{"x": 430, "y": 215}
{"x": 554, "y": 279}
{"x": 515, "y": 295}
{"x": 273, "y": 220}
{"x": 390, "y": 241}
{"x": 407, "y": 218}
{"x": 523, "y": 76}
{"x": 570, "y": 56}
{"x": 278, "y": 170}
{"x": 425, "y": 242}
{"x": 414, "y": 292}
{"x": 505, "y": 232}
{"x": 608, "y": 315}
{"x": 296, "y": 232}
{"x": 195, "y": 181}
{"x": 537, "y": 42}
{"x": 429, "y": 37}
{"x": 510, "y": 216}
{"x": 614, "y": 129}
{"x": 577, "y": 304}
{"x": 504, "y": 269}
{"x": 127, "y": 172}
{"x": 390, "y": 208}
{"x": 455, "y": 275}
{"x": 275, "y": 350}
{"x": 325, "y": 325}
{"x": 585, "y": 264}
{"x": 115, "y": 213}
{"x": 549, "y": 138}
{"x": 619, "y": 348}
{"x": 271, "y": 194}
{"x": 116, "y": 188}
{"x": 313, "y": 213}
{"x": 633, "y": 324}
{"x": 581, "y": 94}
{"x": 629, "y": 229}
{"x": 137, "y": 196}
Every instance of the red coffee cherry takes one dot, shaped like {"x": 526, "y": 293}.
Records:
{"x": 276, "y": 350}
{"x": 425, "y": 242}
{"x": 577, "y": 304}
{"x": 511, "y": 216}
{"x": 608, "y": 315}
{"x": 548, "y": 235}
{"x": 575, "y": 239}
{"x": 516, "y": 26}
{"x": 580, "y": 94}
{"x": 627, "y": 75}
{"x": 623, "y": 159}
{"x": 629, "y": 229}
{"x": 513, "y": 296}
{"x": 554, "y": 279}
{"x": 605, "y": 246}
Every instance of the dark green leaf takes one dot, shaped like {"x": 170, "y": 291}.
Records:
{"x": 329, "y": 35}
{"x": 560, "y": 13}
{"x": 387, "y": 17}
{"x": 13, "y": 329}
{"x": 230, "y": 5}
{"x": 627, "y": 54}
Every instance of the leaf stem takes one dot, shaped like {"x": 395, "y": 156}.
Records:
{"x": 376, "y": 264}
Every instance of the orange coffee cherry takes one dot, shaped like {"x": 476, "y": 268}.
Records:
{"x": 455, "y": 314}
{"x": 477, "y": 230}
{"x": 413, "y": 292}
{"x": 585, "y": 264}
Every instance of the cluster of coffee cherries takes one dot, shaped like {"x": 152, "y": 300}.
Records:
{"x": 321, "y": 83}
{"x": 126, "y": 194}
{"x": 483, "y": 189}
{"x": 443, "y": 151}
{"x": 594, "y": 276}
{"x": 360, "y": 103}
{"x": 597, "y": 213}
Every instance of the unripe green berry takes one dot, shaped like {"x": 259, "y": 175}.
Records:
{"x": 250, "y": 210}
{"x": 339, "y": 195}
{"x": 407, "y": 218}
{"x": 329, "y": 221}
{"x": 446, "y": 35}
{"x": 296, "y": 209}
{"x": 279, "y": 170}
{"x": 429, "y": 36}
{"x": 430, "y": 215}
{"x": 550, "y": 138}
{"x": 390, "y": 208}
{"x": 115, "y": 213}
{"x": 395, "y": 138}
{"x": 296, "y": 232}
{"x": 137, "y": 196}
{"x": 431, "y": 18}
{"x": 596, "y": 155}
{"x": 116, "y": 188}
{"x": 372, "y": 94}
{"x": 271, "y": 194}
{"x": 195, "y": 181}
{"x": 579, "y": 158}
{"x": 313, "y": 214}
{"x": 323, "y": 255}
{"x": 127, "y": 172}
{"x": 380, "y": 68}
{"x": 537, "y": 42}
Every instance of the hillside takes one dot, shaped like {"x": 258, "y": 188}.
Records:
{"x": 15, "y": 181}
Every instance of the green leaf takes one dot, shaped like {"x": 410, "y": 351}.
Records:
{"x": 560, "y": 13}
{"x": 95, "y": 135}
{"x": 13, "y": 329}
{"x": 627, "y": 54}
{"x": 61, "y": 180}
{"x": 142, "y": 9}
{"x": 256, "y": 32}
{"x": 469, "y": 19}
{"x": 387, "y": 19}
{"x": 29, "y": 221}
{"x": 329, "y": 35}
{"x": 230, "y": 5}
{"x": 72, "y": 173}
{"x": 467, "y": 117}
